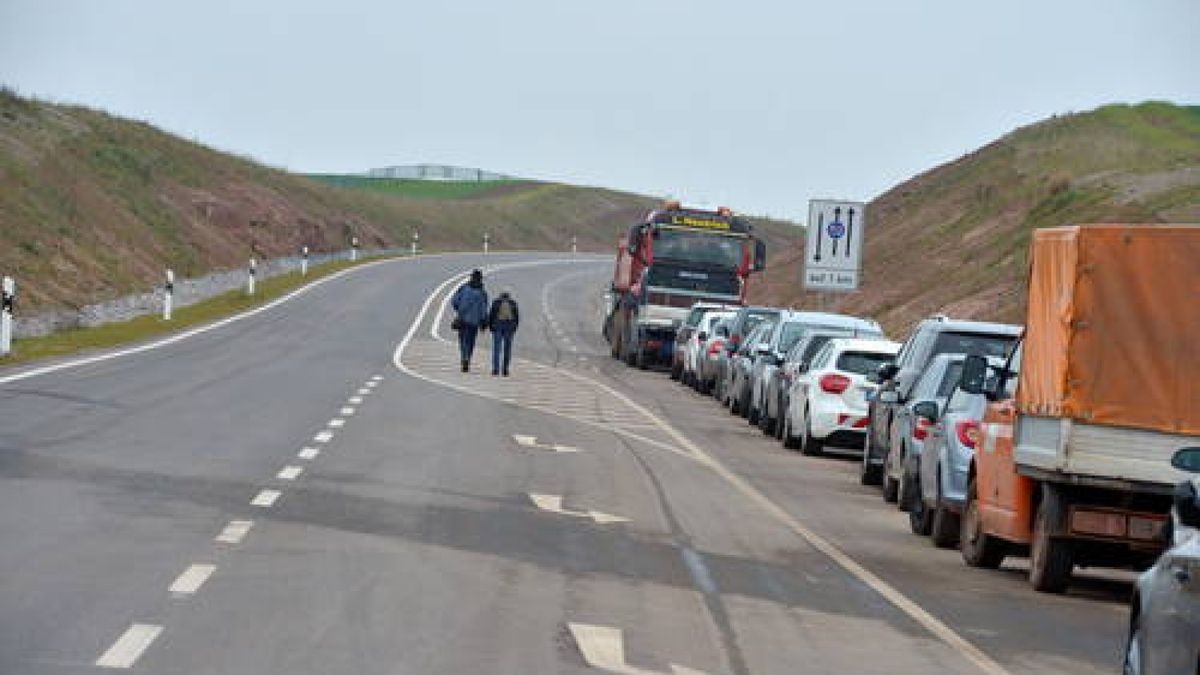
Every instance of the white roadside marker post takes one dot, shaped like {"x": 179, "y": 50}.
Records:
{"x": 304, "y": 261}
{"x": 486, "y": 237}
{"x": 354, "y": 249}
{"x": 574, "y": 244}
{"x": 415, "y": 240}
{"x": 168, "y": 295}
{"x": 8, "y": 295}
{"x": 250, "y": 277}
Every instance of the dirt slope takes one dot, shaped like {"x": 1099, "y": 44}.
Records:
{"x": 93, "y": 207}
{"x": 954, "y": 239}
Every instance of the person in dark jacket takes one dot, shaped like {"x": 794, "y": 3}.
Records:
{"x": 502, "y": 320}
{"x": 470, "y": 303}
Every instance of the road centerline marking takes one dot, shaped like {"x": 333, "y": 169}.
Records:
{"x": 346, "y": 411}
{"x": 308, "y": 453}
{"x": 235, "y": 531}
{"x": 192, "y": 579}
{"x": 265, "y": 498}
{"x": 323, "y": 437}
{"x": 129, "y": 647}
{"x": 337, "y": 423}
{"x": 290, "y": 472}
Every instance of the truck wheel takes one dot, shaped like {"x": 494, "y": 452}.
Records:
{"x": 870, "y": 474}
{"x": 1050, "y": 558}
{"x": 943, "y": 531}
{"x": 977, "y": 547}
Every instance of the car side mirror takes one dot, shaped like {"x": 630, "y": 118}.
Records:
{"x": 974, "y": 375}
{"x": 889, "y": 396}
{"x": 702, "y": 336}
{"x": 926, "y": 409}
{"x": 886, "y": 372}
{"x": 1187, "y": 459}
{"x": 1187, "y": 504}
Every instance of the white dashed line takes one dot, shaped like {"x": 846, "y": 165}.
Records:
{"x": 371, "y": 385}
{"x": 323, "y": 437}
{"x": 192, "y": 579}
{"x": 235, "y": 531}
{"x": 364, "y": 391}
{"x": 337, "y": 423}
{"x": 129, "y": 647}
{"x": 347, "y": 411}
{"x": 356, "y": 400}
{"x": 265, "y": 499}
{"x": 308, "y": 453}
{"x": 377, "y": 378}
{"x": 290, "y": 472}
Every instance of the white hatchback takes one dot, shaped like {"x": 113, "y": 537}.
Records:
{"x": 827, "y": 403}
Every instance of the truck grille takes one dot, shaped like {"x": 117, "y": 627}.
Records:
{"x": 670, "y": 299}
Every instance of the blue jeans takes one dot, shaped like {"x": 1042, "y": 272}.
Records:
{"x": 466, "y": 341}
{"x": 502, "y": 340}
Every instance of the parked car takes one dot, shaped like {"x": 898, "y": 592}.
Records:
{"x": 768, "y": 354}
{"x": 827, "y": 404}
{"x": 711, "y": 351}
{"x": 933, "y": 336}
{"x": 1164, "y": 620}
{"x": 943, "y": 468}
{"x": 737, "y": 382}
{"x": 693, "y": 350}
{"x": 685, "y": 332}
{"x": 777, "y": 380}
{"x": 914, "y": 420}
{"x": 746, "y": 319}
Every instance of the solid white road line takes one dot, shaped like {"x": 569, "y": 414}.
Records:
{"x": 235, "y": 531}
{"x": 265, "y": 499}
{"x": 290, "y": 472}
{"x": 689, "y": 449}
{"x": 323, "y": 437}
{"x": 192, "y": 579}
{"x": 347, "y": 411}
{"x": 337, "y": 423}
{"x": 308, "y": 453}
{"x": 129, "y": 647}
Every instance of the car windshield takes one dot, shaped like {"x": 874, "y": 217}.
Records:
{"x": 950, "y": 379}
{"x": 862, "y": 363}
{"x": 705, "y": 248}
{"x": 792, "y": 332}
{"x": 973, "y": 343}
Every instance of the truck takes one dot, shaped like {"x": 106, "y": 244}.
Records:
{"x": 671, "y": 260}
{"x": 1073, "y": 460}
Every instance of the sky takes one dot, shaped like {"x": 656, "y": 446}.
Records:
{"x": 756, "y": 105}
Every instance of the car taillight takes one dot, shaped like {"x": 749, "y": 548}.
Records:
{"x": 834, "y": 383}
{"x": 715, "y": 347}
{"x": 968, "y": 432}
{"x": 921, "y": 429}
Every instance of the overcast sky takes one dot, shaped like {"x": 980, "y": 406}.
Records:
{"x": 758, "y": 105}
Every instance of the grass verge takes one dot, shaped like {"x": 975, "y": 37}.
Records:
{"x": 107, "y": 336}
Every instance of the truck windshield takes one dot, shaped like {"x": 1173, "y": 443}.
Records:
{"x": 679, "y": 278}
{"x": 703, "y": 248}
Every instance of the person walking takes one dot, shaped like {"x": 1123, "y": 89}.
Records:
{"x": 470, "y": 303}
{"x": 502, "y": 321}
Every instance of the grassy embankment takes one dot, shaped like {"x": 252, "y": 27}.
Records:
{"x": 107, "y": 336}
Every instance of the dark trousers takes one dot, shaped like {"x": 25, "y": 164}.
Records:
{"x": 502, "y": 340}
{"x": 466, "y": 341}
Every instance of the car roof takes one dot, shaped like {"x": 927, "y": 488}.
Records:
{"x": 831, "y": 320}
{"x": 945, "y": 324}
{"x": 861, "y": 345}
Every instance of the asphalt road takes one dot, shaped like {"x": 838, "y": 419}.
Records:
{"x": 317, "y": 489}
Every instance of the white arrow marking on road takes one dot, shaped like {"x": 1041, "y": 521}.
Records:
{"x": 603, "y": 648}
{"x": 553, "y": 504}
{"x": 532, "y": 442}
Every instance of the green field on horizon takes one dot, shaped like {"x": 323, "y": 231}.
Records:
{"x": 410, "y": 187}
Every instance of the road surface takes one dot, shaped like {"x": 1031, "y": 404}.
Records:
{"x": 316, "y": 489}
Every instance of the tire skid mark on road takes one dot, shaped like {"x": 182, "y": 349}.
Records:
{"x": 431, "y": 352}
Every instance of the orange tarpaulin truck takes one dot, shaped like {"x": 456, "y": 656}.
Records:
{"x": 1074, "y": 459}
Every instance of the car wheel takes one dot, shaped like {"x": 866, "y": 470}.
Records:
{"x": 1132, "y": 663}
{"x": 752, "y": 415}
{"x": 920, "y": 519}
{"x": 977, "y": 547}
{"x": 779, "y": 422}
{"x": 676, "y": 371}
{"x": 943, "y": 531}
{"x": 891, "y": 487}
{"x": 789, "y": 439}
{"x": 744, "y": 405}
{"x": 1050, "y": 558}
{"x": 869, "y": 474}
{"x": 809, "y": 445}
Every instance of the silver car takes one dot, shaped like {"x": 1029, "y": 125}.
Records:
{"x": 1164, "y": 621}
{"x": 912, "y": 422}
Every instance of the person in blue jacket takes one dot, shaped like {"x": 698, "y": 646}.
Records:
{"x": 502, "y": 321}
{"x": 470, "y": 303}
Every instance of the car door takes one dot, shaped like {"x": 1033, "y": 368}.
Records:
{"x": 904, "y": 420}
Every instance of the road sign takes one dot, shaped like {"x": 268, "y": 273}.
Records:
{"x": 833, "y": 257}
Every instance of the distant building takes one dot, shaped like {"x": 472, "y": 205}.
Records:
{"x": 437, "y": 172}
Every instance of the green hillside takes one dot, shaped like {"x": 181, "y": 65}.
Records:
{"x": 954, "y": 239}
{"x": 95, "y": 207}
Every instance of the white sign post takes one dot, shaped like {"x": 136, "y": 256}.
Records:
{"x": 8, "y": 294}
{"x": 486, "y": 241}
{"x": 250, "y": 277}
{"x": 354, "y": 250}
{"x": 168, "y": 294}
{"x": 415, "y": 240}
{"x": 574, "y": 244}
{"x": 833, "y": 256}
{"x": 304, "y": 261}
